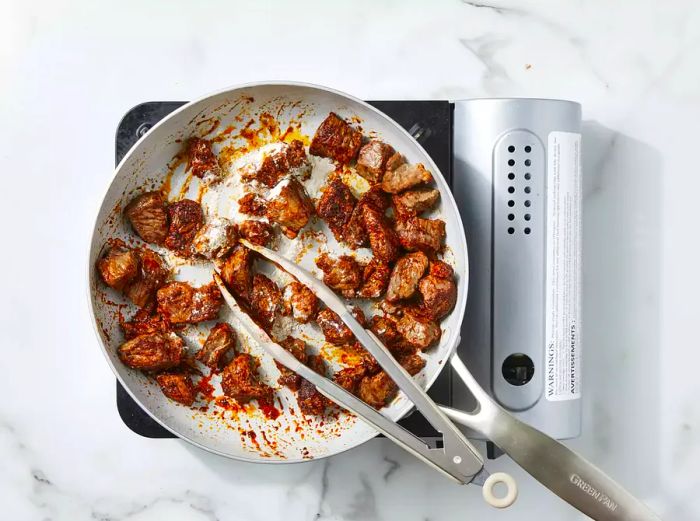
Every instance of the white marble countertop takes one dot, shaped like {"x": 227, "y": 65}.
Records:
{"x": 69, "y": 70}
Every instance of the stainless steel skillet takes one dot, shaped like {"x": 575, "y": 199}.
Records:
{"x": 302, "y": 107}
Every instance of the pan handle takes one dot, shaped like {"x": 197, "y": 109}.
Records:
{"x": 561, "y": 470}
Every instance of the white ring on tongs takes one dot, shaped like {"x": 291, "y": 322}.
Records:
{"x": 511, "y": 492}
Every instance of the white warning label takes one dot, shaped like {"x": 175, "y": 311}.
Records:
{"x": 563, "y": 322}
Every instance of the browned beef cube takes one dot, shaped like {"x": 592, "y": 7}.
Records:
{"x": 265, "y": 300}
{"x": 386, "y": 331}
{"x": 180, "y": 303}
{"x": 152, "y": 352}
{"x": 413, "y": 363}
{"x": 216, "y": 238}
{"x": 148, "y": 216}
{"x": 300, "y": 302}
{"x": 251, "y": 204}
{"x": 334, "y": 330}
{"x": 186, "y": 218}
{"x": 239, "y": 380}
{"x": 336, "y": 139}
{"x": 441, "y": 269}
{"x": 377, "y": 390}
{"x": 143, "y": 323}
{"x": 257, "y": 232}
{"x": 349, "y": 377}
{"x": 119, "y": 266}
{"x": 407, "y": 271}
{"x": 310, "y": 401}
{"x": 372, "y": 160}
{"x": 417, "y": 233}
{"x": 220, "y": 342}
{"x": 152, "y": 275}
{"x": 289, "y": 160}
{"x": 291, "y": 208}
{"x": 405, "y": 177}
{"x": 420, "y": 333}
{"x": 335, "y": 206}
{"x": 201, "y": 159}
{"x": 375, "y": 278}
{"x": 237, "y": 272}
{"x": 343, "y": 274}
{"x": 414, "y": 202}
{"x": 287, "y": 377}
{"x": 439, "y": 297}
{"x": 178, "y": 387}
{"x": 382, "y": 238}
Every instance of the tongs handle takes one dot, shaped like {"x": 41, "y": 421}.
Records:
{"x": 561, "y": 470}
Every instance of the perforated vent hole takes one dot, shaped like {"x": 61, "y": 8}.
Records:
{"x": 511, "y": 149}
{"x": 511, "y": 231}
{"x": 511, "y": 216}
{"x": 511, "y": 203}
{"x": 527, "y": 175}
{"x": 528, "y": 162}
{"x": 511, "y": 162}
{"x": 528, "y": 203}
{"x": 527, "y": 216}
{"x": 527, "y": 231}
{"x": 511, "y": 176}
{"x": 528, "y": 149}
{"x": 511, "y": 189}
{"x": 527, "y": 189}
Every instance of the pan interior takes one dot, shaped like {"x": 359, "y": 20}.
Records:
{"x": 262, "y": 114}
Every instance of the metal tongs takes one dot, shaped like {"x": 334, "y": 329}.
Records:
{"x": 558, "y": 468}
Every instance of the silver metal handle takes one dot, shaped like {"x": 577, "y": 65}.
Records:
{"x": 561, "y": 470}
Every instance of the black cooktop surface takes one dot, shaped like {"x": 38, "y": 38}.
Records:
{"x": 430, "y": 122}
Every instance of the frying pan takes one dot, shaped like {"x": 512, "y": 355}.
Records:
{"x": 248, "y": 435}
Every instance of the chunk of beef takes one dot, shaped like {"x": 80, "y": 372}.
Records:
{"x": 300, "y": 302}
{"x": 335, "y": 206}
{"x": 418, "y": 332}
{"x": 349, "y": 377}
{"x": 439, "y": 297}
{"x": 220, "y": 342}
{"x": 376, "y": 198}
{"x": 201, "y": 160}
{"x": 239, "y": 380}
{"x": 287, "y": 377}
{"x": 336, "y": 139}
{"x": 377, "y": 390}
{"x": 416, "y": 233}
{"x": 284, "y": 161}
{"x": 386, "y": 331}
{"x": 186, "y": 219}
{"x": 407, "y": 271}
{"x": 148, "y": 215}
{"x": 118, "y": 266}
{"x": 251, "y": 204}
{"x": 180, "y": 303}
{"x": 143, "y": 323}
{"x": 405, "y": 177}
{"x": 237, "y": 272}
{"x": 372, "y": 160}
{"x": 413, "y": 363}
{"x": 375, "y": 278}
{"x": 257, "y": 232}
{"x": 441, "y": 269}
{"x": 152, "y": 275}
{"x": 216, "y": 238}
{"x": 415, "y": 202}
{"x": 290, "y": 207}
{"x": 178, "y": 387}
{"x": 334, "y": 330}
{"x": 152, "y": 352}
{"x": 354, "y": 233}
{"x": 395, "y": 161}
{"x": 382, "y": 237}
{"x": 311, "y": 401}
{"x": 392, "y": 308}
{"x": 343, "y": 274}
{"x": 265, "y": 300}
